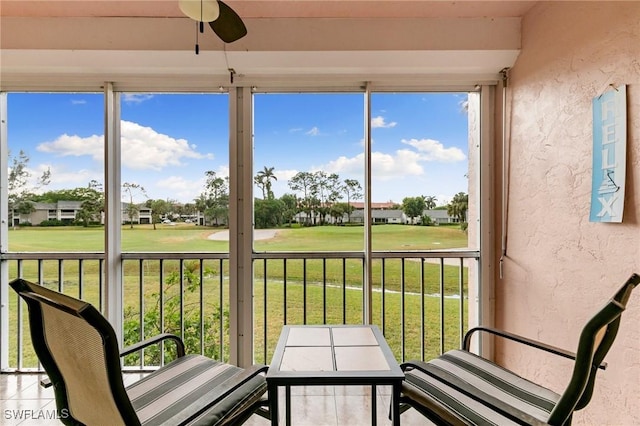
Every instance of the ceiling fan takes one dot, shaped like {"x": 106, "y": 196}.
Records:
{"x": 221, "y": 18}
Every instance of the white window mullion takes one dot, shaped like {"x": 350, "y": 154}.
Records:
{"x": 367, "y": 285}
{"x": 4, "y": 235}
{"x": 241, "y": 226}
{"x": 113, "y": 291}
{"x": 487, "y": 231}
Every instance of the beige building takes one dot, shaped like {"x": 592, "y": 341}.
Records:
{"x": 67, "y": 212}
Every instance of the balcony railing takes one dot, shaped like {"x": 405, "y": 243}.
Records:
{"x": 419, "y": 299}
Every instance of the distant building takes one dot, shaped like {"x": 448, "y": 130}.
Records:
{"x": 389, "y": 205}
{"x": 440, "y": 216}
{"x": 380, "y": 216}
{"x": 67, "y": 212}
{"x": 382, "y": 213}
{"x": 141, "y": 217}
{"x": 64, "y": 211}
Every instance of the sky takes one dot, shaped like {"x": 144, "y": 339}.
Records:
{"x": 169, "y": 141}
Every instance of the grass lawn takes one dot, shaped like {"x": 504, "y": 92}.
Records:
{"x": 190, "y": 238}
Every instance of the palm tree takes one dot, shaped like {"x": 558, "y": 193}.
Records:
{"x": 430, "y": 201}
{"x": 263, "y": 180}
{"x": 458, "y": 206}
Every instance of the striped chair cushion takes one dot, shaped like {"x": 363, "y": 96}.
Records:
{"x": 181, "y": 393}
{"x": 457, "y": 374}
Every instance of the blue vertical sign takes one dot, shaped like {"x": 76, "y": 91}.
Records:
{"x": 609, "y": 155}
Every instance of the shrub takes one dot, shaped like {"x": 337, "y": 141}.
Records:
{"x": 52, "y": 222}
{"x": 171, "y": 312}
{"x": 426, "y": 221}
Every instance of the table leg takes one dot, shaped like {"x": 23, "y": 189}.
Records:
{"x": 374, "y": 406}
{"x": 287, "y": 407}
{"x": 395, "y": 404}
{"x": 273, "y": 404}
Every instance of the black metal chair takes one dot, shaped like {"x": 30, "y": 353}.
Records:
{"x": 79, "y": 351}
{"x": 461, "y": 388}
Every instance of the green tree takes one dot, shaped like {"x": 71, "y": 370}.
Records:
{"x": 92, "y": 206}
{"x": 159, "y": 209}
{"x": 426, "y": 220}
{"x": 290, "y": 207}
{"x": 430, "y": 201}
{"x": 214, "y": 201}
{"x": 353, "y": 191}
{"x": 413, "y": 206}
{"x": 458, "y": 207}
{"x": 131, "y": 188}
{"x": 303, "y": 183}
{"x": 168, "y": 318}
{"x": 327, "y": 190}
{"x": 338, "y": 210}
{"x": 263, "y": 180}
{"x": 189, "y": 209}
{"x": 268, "y": 213}
{"x": 20, "y": 194}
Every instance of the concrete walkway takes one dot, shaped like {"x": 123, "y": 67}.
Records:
{"x": 258, "y": 234}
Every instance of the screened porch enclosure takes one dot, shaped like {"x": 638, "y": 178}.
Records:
{"x": 422, "y": 298}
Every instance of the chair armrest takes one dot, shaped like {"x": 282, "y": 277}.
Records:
{"x": 232, "y": 384}
{"x": 524, "y": 340}
{"x": 153, "y": 340}
{"x": 46, "y": 382}
{"x": 247, "y": 374}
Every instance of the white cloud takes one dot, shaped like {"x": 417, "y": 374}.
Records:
{"x": 78, "y": 101}
{"x": 432, "y": 150}
{"x": 379, "y": 122}
{"x": 285, "y": 175}
{"x": 179, "y": 188}
{"x": 135, "y": 98}
{"x": 76, "y": 146}
{"x": 75, "y": 178}
{"x": 296, "y": 130}
{"x": 403, "y": 162}
{"x": 223, "y": 171}
{"x": 313, "y": 132}
{"x": 149, "y": 149}
{"x": 142, "y": 148}
{"x": 61, "y": 178}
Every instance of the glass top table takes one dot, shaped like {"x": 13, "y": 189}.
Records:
{"x": 308, "y": 355}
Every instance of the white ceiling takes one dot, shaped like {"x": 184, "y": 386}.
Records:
{"x": 62, "y": 44}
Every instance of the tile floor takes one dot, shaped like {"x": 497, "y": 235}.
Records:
{"x": 24, "y": 402}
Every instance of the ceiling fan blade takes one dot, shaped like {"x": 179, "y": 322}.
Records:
{"x": 229, "y": 26}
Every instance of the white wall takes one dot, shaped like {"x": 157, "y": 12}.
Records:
{"x": 560, "y": 267}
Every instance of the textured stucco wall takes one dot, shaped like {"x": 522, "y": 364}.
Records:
{"x": 560, "y": 267}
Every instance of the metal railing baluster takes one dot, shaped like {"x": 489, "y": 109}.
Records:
{"x": 322, "y": 276}
{"x": 265, "y": 309}
{"x": 422, "y": 311}
{"x": 402, "y": 310}
{"x": 441, "y": 305}
{"x": 141, "y": 306}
